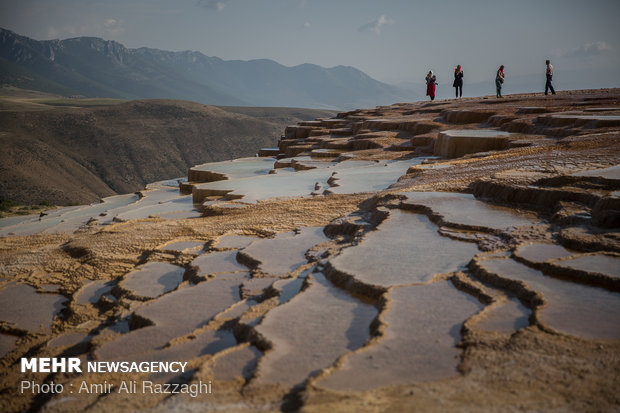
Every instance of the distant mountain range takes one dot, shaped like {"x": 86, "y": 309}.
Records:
{"x": 93, "y": 67}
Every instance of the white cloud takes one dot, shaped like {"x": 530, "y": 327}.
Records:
{"x": 375, "y": 25}
{"x": 588, "y": 50}
{"x": 113, "y": 27}
{"x": 217, "y": 5}
{"x": 307, "y": 25}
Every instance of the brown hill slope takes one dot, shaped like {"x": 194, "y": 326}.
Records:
{"x": 78, "y": 154}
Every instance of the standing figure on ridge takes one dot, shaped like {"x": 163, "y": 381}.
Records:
{"x": 458, "y": 81}
{"x": 499, "y": 79}
{"x": 549, "y": 73}
{"x": 431, "y": 81}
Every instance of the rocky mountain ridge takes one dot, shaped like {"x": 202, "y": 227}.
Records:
{"x": 96, "y": 67}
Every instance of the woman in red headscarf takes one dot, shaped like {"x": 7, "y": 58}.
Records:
{"x": 431, "y": 81}
{"x": 499, "y": 80}
{"x": 458, "y": 81}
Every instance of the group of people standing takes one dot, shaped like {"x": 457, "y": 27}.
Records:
{"x": 431, "y": 81}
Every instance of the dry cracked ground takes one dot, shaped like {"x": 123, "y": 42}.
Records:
{"x": 445, "y": 256}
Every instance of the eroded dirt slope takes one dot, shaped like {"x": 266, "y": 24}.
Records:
{"x": 67, "y": 154}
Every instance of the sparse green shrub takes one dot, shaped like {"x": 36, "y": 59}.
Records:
{"x": 7, "y": 204}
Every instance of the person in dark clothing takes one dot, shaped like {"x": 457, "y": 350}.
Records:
{"x": 549, "y": 73}
{"x": 458, "y": 81}
{"x": 431, "y": 82}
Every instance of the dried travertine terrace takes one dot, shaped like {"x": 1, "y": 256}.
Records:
{"x": 421, "y": 256}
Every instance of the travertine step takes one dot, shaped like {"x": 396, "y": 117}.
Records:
{"x": 458, "y": 142}
{"x": 564, "y": 306}
{"x": 338, "y": 325}
{"x": 466, "y": 116}
{"x": 268, "y": 152}
{"x": 418, "y": 340}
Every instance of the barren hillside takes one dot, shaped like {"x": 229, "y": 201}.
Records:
{"x": 77, "y": 154}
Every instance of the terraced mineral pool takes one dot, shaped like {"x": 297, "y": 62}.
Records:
{"x": 252, "y": 190}
{"x": 326, "y": 153}
{"x": 421, "y": 329}
{"x": 32, "y": 224}
{"x": 234, "y": 241}
{"x": 21, "y": 305}
{"x": 92, "y": 292}
{"x": 172, "y": 183}
{"x": 205, "y": 342}
{"x": 69, "y": 339}
{"x": 371, "y": 178}
{"x": 508, "y": 316}
{"x": 363, "y": 178}
{"x": 151, "y": 207}
{"x": 154, "y": 194}
{"x": 286, "y": 252}
{"x": 256, "y": 286}
{"x": 239, "y": 168}
{"x": 288, "y": 288}
{"x": 476, "y": 133}
{"x": 311, "y": 331}
{"x": 238, "y": 363}
{"x": 65, "y": 219}
{"x": 218, "y": 263}
{"x": 571, "y": 119}
{"x": 576, "y": 309}
{"x": 593, "y": 263}
{"x": 185, "y": 246}
{"x": 611, "y": 109}
{"x": 200, "y": 344}
{"x": 306, "y": 162}
{"x": 173, "y": 315}
{"x": 539, "y": 253}
{"x": 612, "y": 172}
{"x": 405, "y": 249}
{"x": 301, "y": 162}
{"x": 464, "y": 210}
{"x": 161, "y": 201}
{"x": 49, "y": 288}
{"x": 586, "y": 117}
{"x": 153, "y": 279}
{"x": 236, "y": 310}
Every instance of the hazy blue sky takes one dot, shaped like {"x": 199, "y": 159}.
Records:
{"x": 392, "y": 41}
